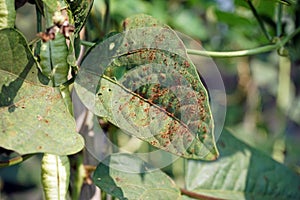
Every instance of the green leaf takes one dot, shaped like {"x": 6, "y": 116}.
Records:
{"x": 233, "y": 19}
{"x": 124, "y": 176}
{"x": 52, "y": 5}
{"x": 185, "y": 19}
{"x": 7, "y": 14}
{"x": 143, "y": 81}
{"x": 80, "y": 10}
{"x": 55, "y": 176}
{"x": 54, "y": 53}
{"x": 33, "y": 115}
{"x": 242, "y": 172}
{"x": 53, "y": 62}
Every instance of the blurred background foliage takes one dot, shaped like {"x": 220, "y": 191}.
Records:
{"x": 263, "y": 91}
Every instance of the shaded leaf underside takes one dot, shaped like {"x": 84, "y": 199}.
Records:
{"x": 241, "y": 172}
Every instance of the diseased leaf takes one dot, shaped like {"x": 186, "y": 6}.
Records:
{"x": 143, "y": 81}
{"x": 53, "y": 62}
{"x": 241, "y": 172}
{"x": 54, "y": 53}
{"x": 125, "y": 177}
{"x": 33, "y": 115}
{"x": 80, "y": 10}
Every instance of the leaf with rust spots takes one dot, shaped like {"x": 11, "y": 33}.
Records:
{"x": 33, "y": 115}
{"x": 80, "y": 10}
{"x": 141, "y": 20}
{"x": 143, "y": 81}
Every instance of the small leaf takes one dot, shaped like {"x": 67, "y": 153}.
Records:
{"x": 80, "y": 10}
{"x": 33, "y": 115}
{"x": 241, "y": 172}
{"x": 143, "y": 81}
{"x": 233, "y": 19}
{"x": 53, "y": 62}
{"x": 125, "y": 177}
{"x": 55, "y": 176}
{"x": 52, "y": 5}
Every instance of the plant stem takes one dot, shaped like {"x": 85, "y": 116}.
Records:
{"x": 39, "y": 29}
{"x": 106, "y": 16}
{"x": 87, "y": 43}
{"x": 228, "y": 54}
{"x": 279, "y": 16}
{"x": 246, "y": 52}
{"x": 260, "y": 22}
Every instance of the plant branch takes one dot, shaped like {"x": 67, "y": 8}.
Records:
{"x": 260, "y": 22}
{"x": 247, "y": 52}
{"x": 197, "y": 195}
{"x": 106, "y": 16}
{"x": 87, "y": 43}
{"x": 230, "y": 54}
{"x": 279, "y": 16}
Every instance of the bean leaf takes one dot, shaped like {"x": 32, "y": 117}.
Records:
{"x": 143, "y": 81}
{"x": 32, "y": 114}
{"x": 80, "y": 10}
{"x": 125, "y": 177}
{"x": 241, "y": 172}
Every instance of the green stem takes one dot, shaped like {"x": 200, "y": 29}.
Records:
{"x": 260, "y": 22}
{"x": 66, "y": 96}
{"x": 279, "y": 16}
{"x": 15, "y": 160}
{"x": 87, "y": 43}
{"x": 246, "y": 52}
{"x": 106, "y": 17}
{"x": 289, "y": 37}
{"x": 228, "y": 54}
{"x": 39, "y": 29}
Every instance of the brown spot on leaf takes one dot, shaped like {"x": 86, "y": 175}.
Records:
{"x": 125, "y": 24}
{"x": 186, "y": 64}
{"x": 118, "y": 179}
{"x": 154, "y": 143}
{"x": 162, "y": 75}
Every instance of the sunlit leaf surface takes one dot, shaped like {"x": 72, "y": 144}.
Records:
{"x": 33, "y": 115}
{"x": 143, "y": 81}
